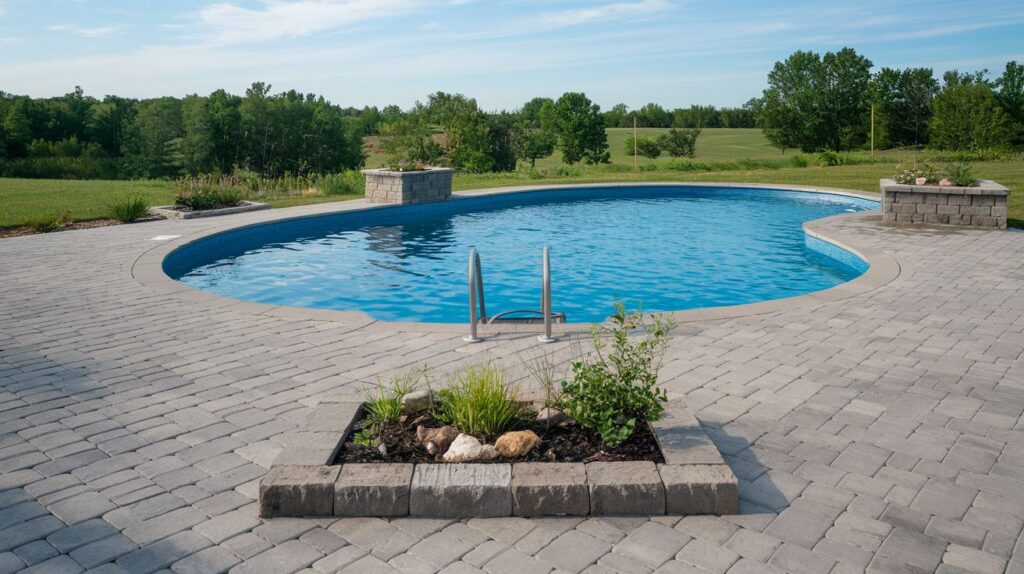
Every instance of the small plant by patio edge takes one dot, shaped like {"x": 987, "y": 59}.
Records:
{"x": 384, "y": 405}
{"x": 128, "y": 210}
{"x": 613, "y": 392}
{"x": 479, "y": 401}
{"x": 49, "y": 224}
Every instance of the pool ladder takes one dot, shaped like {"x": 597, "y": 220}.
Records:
{"x": 476, "y": 301}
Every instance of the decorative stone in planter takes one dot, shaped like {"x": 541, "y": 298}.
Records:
{"x": 175, "y": 212}
{"x": 981, "y": 206}
{"x": 693, "y": 480}
{"x": 400, "y": 187}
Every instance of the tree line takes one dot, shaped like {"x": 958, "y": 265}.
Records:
{"x": 816, "y": 103}
{"x": 812, "y": 103}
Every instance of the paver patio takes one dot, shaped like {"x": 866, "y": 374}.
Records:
{"x": 879, "y": 432}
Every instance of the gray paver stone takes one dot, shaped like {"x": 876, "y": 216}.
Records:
{"x": 550, "y": 489}
{"x": 699, "y": 489}
{"x": 373, "y": 490}
{"x": 682, "y": 439}
{"x": 625, "y": 488}
{"x": 298, "y": 491}
{"x": 461, "y": 490}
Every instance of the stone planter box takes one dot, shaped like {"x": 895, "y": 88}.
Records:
{"x": 175, "y": 212}
{"x": 401, "y": 187}
{"x": 302, "y": 481}
{"x": 981, "y": 206}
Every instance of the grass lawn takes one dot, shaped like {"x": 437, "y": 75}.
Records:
{"x": 23, "y": 201}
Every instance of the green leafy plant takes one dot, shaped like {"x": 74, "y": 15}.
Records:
{"x": 49, "y": 224}
{"x": 680, "y": 142}
{"x": 201, "y": 193}
{"x": 798, "y": 160}
{"x": 829, "y": 158}
{"x": 480, "y": 401}
{"x": 961, "y": 174}
{"x": 384, "y": 404}
{"x": 128, "y": 210}
{"x": 909, "y": 176}
{"x": 616, "y": 388}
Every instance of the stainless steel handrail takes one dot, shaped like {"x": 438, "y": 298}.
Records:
{"x": 545, "y": 299}
{"x": 475, "y": 285}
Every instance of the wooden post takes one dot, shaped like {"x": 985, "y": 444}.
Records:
{"x": 636, "y": 168}
{"x": 872, "y": 128}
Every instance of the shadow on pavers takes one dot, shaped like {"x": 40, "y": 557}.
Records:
{"x": 758, "y": 488}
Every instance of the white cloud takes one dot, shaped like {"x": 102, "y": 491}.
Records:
{"x": 96, "y": 32}
{"x": 276, "y": 19}
{"x": 608, "y": 11}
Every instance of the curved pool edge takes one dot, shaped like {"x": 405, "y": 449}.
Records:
{"x": 147, "y": 269}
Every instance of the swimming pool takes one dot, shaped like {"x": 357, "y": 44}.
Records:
{"x": 664, "y": 248}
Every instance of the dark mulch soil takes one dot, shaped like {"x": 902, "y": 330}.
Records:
{"x": 25, "y": 230}
{"x": 570, "y": 443}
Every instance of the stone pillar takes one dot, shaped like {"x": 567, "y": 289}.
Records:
{"x": 981, "y": 206}
{"x": 401, "y": 187}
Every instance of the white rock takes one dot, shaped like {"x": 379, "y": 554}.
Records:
{"x": 467, "y": 448}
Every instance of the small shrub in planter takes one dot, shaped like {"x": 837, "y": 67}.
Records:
{"x": 480, "y": 401}
{"x": 960, "y": 174}
{"x": 923, "y": 175}
{"x": 616, "y": 389}
{"x": 200, "y": 195}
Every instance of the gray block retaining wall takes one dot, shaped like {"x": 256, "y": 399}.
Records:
{"x": 400, "y": 187}
{"x": 980, "y": 206}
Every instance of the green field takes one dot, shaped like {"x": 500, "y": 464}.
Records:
{"x": 720, "y": 152}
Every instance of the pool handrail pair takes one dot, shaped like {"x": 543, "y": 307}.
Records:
{"x": 476, "y": 294}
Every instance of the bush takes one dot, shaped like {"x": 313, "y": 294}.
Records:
{"x": 798, "y": 161}
{"x": 648, "y": 148}
{"x": 203, "y": 197}
{"x": 350, "y": 182}
{"x": 829, "y": 158}
{"x": 961, "y": 174}
{"x": 680, "y": 142}
{"x": 128, "y": 210}
{"x": 610, "y": 394}
{"x": 479, "y": 401}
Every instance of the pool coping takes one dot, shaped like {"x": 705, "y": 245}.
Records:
{"x": 147, "y": 269}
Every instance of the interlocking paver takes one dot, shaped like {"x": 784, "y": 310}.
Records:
{"x": 879, "y": 425}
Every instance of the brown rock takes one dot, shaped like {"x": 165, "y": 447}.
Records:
{"x": 516, "y": 444}
{"x": 436, "y": 440}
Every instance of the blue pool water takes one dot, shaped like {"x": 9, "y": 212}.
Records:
{"x": 665, "y": 248}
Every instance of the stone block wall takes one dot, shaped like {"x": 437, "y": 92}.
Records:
{"x": 980, "y": 206}
{"x": 401, "y": 187}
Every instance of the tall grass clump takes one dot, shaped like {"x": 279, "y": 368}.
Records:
{"x": 480, "y": 401}
{"x": 128, "y": 210}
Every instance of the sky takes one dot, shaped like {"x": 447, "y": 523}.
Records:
{"x": 501, "y": 52}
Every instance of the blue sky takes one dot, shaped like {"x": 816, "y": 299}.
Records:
{"x": 502, "y": 52}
